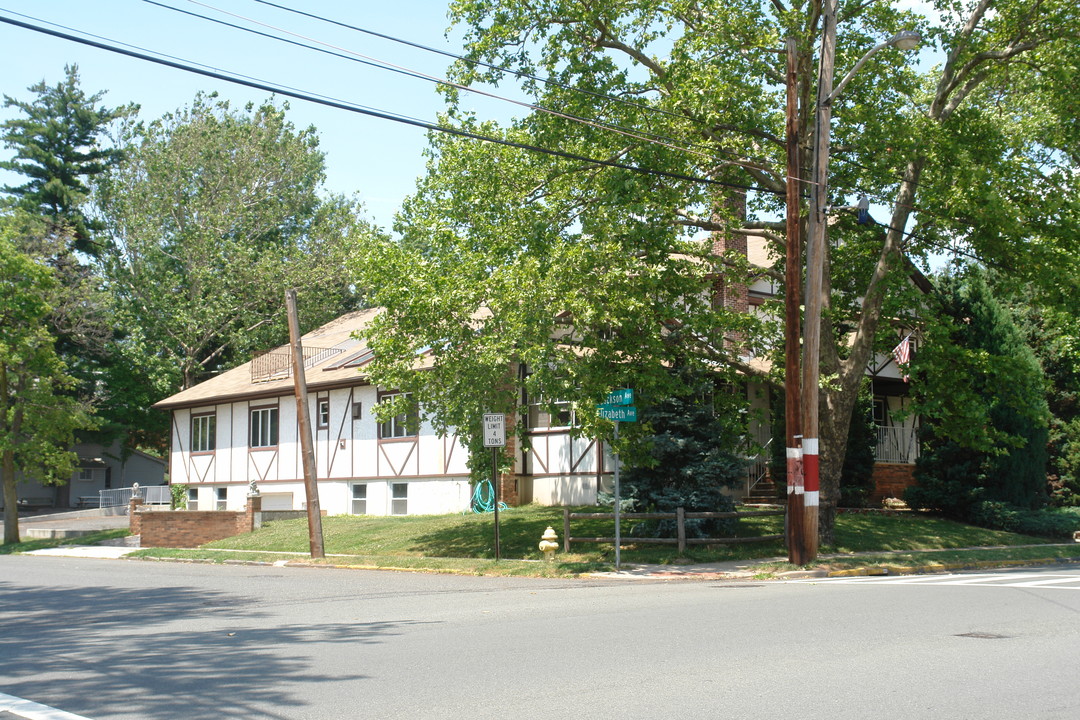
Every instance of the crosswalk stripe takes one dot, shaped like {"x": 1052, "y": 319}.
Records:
{"x": 34, "y": 711}
{"x": 1058, "y": 579}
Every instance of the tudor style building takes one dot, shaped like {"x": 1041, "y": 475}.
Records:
{"x": 241, "y": 427}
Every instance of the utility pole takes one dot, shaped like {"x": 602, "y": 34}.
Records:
{"x": 815, "y": 270}
{"x": 815, "y": 252}
{"x": 792, "y": 272}
{"x": 303, "y": 427}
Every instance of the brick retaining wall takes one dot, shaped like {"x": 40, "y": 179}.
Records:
{"x": 891, "y": 480}
{"x": 191, "y": 528}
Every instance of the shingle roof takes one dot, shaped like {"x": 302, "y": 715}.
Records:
{"x": 332, "y": 359}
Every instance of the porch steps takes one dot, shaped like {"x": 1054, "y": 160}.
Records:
{"x": 764, "y": 493}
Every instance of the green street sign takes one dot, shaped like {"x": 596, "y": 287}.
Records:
{"x": 624, "y": 396}
{"x": 620, "y": 413}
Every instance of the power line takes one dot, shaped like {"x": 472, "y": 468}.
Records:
{"x": 517, "y": 73}
{"x": 351, "y": 55}
{"x": 246, "y": 81}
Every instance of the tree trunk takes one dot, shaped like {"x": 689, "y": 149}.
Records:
{"x": 7, "y": 471}
{"x": 833, "y": 431}
{"x": 11, "y": 499}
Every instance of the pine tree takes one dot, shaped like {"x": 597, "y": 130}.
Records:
{"x": 982, "y": 396}
{"x": 56, "y": 144}
{"x": 688, "y": 459}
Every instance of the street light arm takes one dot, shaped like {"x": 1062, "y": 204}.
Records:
{"x": 904, "y": 40}
{"x": 851, "y": 73}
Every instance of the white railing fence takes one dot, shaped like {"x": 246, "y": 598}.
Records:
{"x": 897, "y": 444}
{"x": 151, "y": 495}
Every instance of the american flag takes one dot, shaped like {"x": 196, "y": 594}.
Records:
{"x": 902, "y": 354}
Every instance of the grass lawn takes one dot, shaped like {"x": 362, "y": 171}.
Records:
{"x": 464, "y": 543}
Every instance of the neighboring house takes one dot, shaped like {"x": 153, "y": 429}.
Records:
{"x": 897, "y": 442}
{"x": 97, "y": 468}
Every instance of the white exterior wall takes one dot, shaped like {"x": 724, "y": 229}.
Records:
{"x": 346, "y": 451}
{"x": 565, "y": 470}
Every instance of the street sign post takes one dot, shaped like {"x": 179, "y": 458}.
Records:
{"x": 495, "y": 438}
{"x": 618, "y": 406}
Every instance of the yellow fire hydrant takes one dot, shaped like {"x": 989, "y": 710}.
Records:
{"x": 548, "y": 546}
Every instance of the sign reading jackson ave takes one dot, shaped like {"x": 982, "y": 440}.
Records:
{"x": 619, "y": 406}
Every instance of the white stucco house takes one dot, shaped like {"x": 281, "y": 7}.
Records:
{"x": 240, "y": 427}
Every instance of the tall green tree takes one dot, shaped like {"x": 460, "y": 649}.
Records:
{"x": 38, "y": 413}
{"x": 1053, "y": 333}
{"x": 967, "y": 152}
{"x": 61, "y": 143}
{"x": 58, "y": 147}
{"x": 212, "y": 216}
{"x": 981, "y": 394}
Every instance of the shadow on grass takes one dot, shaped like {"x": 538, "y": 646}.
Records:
{"x": 520, "y": 530}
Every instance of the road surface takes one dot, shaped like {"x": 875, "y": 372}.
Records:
{"x": 131, "y": 640}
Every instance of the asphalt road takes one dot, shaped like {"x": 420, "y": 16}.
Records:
{"x": 112, "y": 639}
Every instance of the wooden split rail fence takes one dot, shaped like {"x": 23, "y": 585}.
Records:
{"x": 680, "y": 516}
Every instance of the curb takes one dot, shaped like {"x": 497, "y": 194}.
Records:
{"x": 869, "y": 570}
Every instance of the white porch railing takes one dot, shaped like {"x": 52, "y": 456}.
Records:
{"x": 151, "y": 495}
{"x": 897, "y": 444}
{"x": 758, "y": 465}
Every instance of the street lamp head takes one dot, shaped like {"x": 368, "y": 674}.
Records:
{"x": 905, "y": 40}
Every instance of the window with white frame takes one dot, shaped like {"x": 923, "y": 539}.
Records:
{"x": 402, "y": 425}
{"x": 203, "y": 433}
{"x": 359, "y": 499}
{"x": 548, "y": 415}
{"x": 264, "y": 427}
{"x": 222, "y": 499}
{"x": 323, "y": 413}
{"x": 193, "y": 499}
{"x": 399, "y": 499}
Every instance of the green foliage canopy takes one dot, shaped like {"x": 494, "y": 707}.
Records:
{"x": 980, "y": 392}
{"x": 56, "y": 143}
{"x": 212, "y": 216}
{"x": 38, "y": 414}
{"x": 973, "y": 151}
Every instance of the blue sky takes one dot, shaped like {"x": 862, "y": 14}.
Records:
{"x": 377, "y": 160}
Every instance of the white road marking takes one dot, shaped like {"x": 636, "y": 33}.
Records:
{"x": 34, "y": 711}
{"x": 1055, "y": 581}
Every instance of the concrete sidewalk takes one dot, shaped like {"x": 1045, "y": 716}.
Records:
{"x": 67, "y": 524}
{"x": 745, "y": 569}
{"x": 104, "y": 552}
